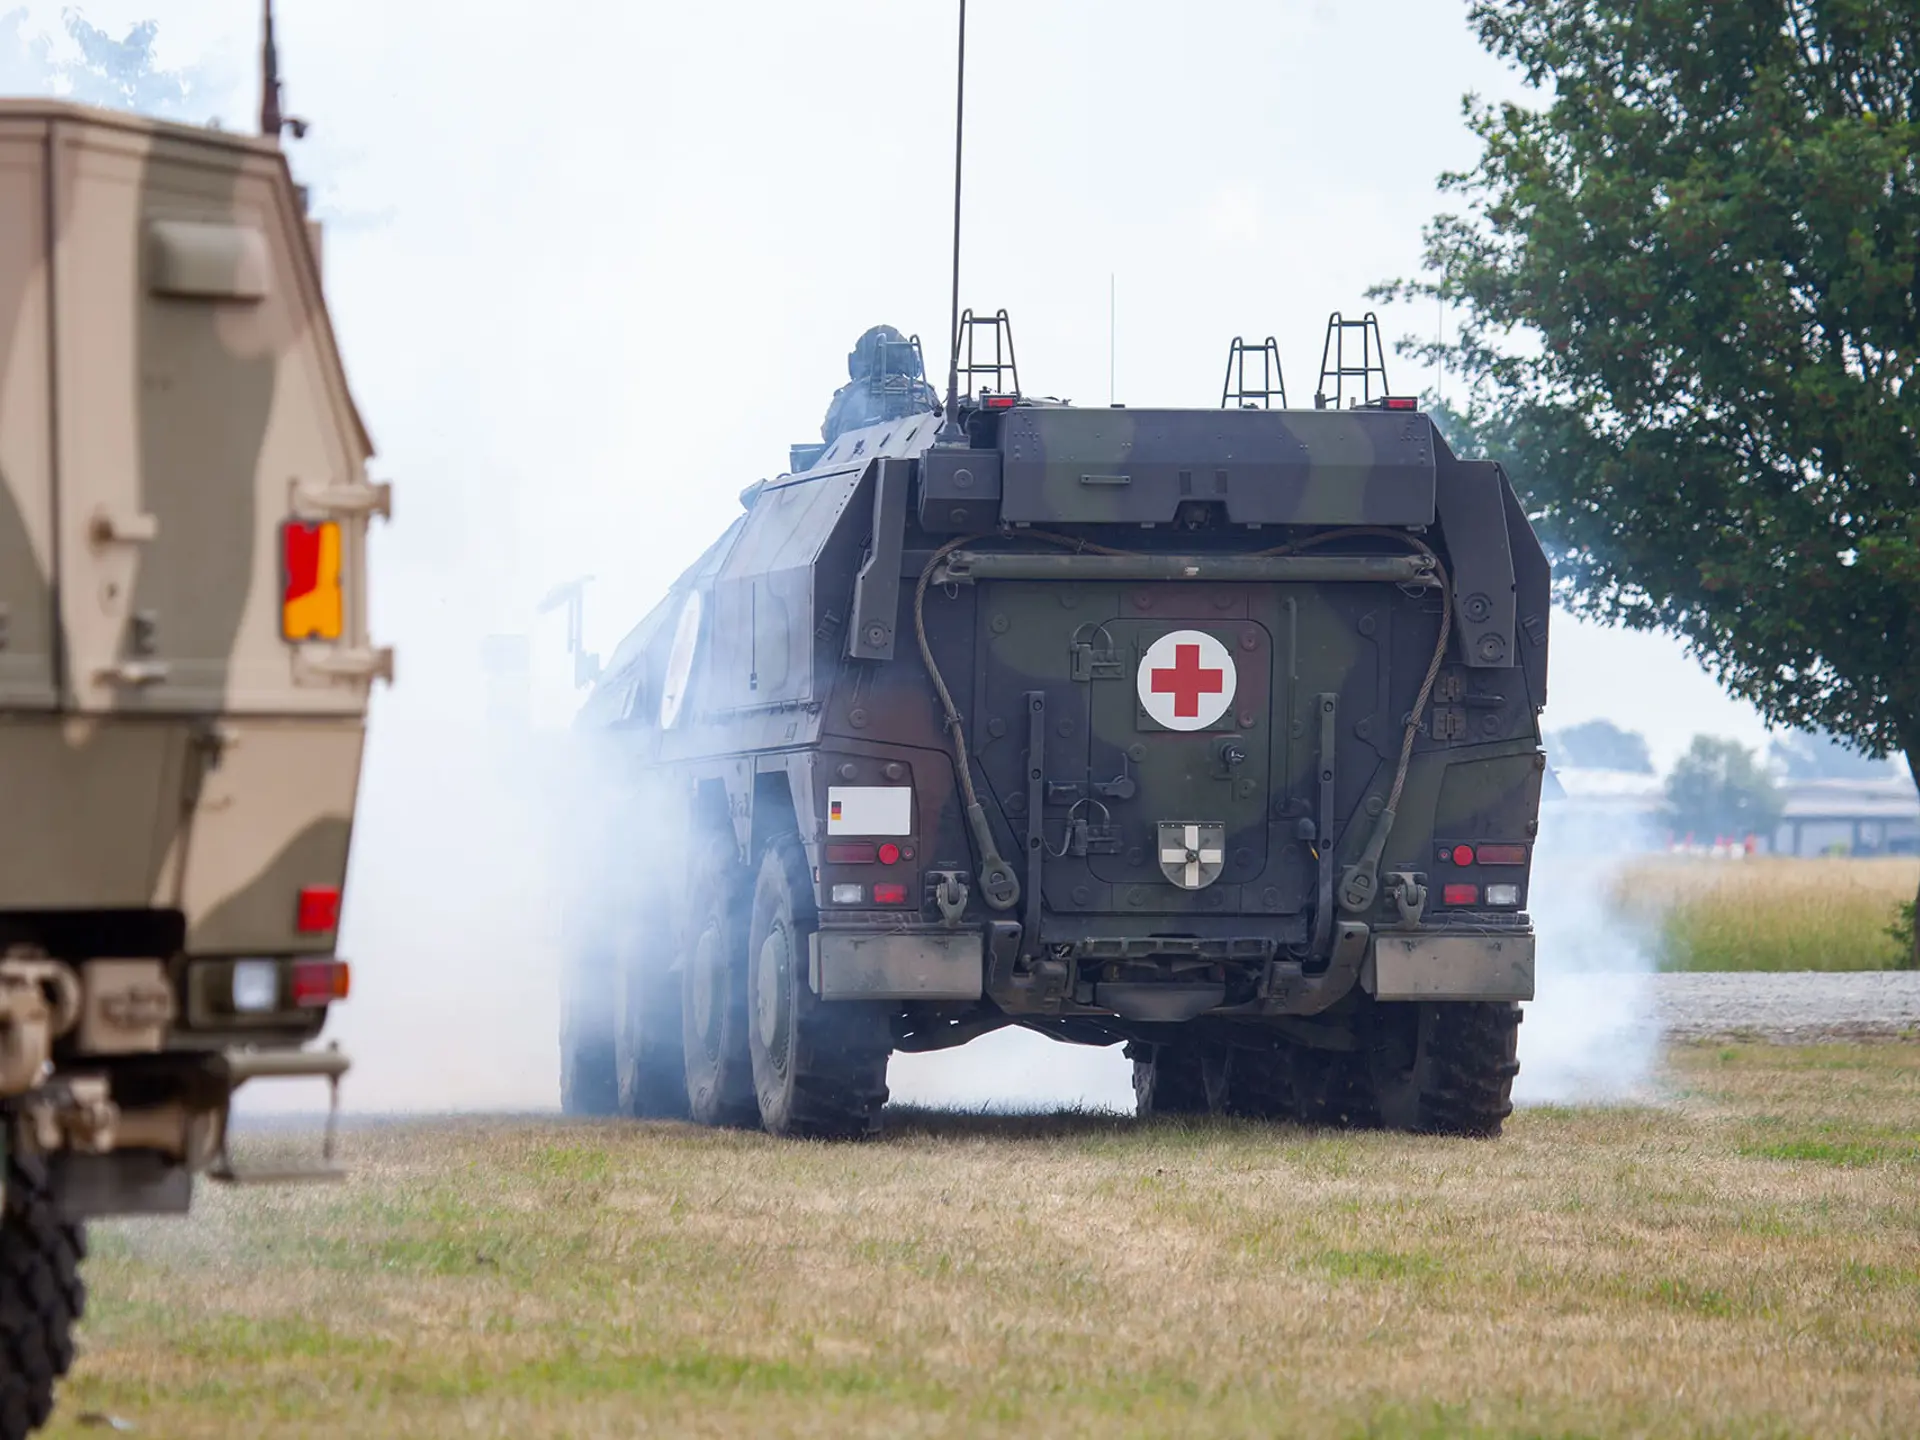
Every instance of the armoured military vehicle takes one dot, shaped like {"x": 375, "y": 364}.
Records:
{"x": 184, "y": 673}
{"x": 1213, "y": 733}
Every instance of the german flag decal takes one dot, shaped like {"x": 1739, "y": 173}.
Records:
{"x": 311, "y": 607}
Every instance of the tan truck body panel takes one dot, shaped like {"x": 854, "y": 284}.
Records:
{"x": 171, "y": 396}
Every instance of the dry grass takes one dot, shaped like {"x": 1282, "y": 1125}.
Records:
{"x": 1743, "y": 1260}
{"x": 1768, "y": 913}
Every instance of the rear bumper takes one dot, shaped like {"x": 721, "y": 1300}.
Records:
{"x": 1428, "y": 966}
{"x": 909, "y": 963}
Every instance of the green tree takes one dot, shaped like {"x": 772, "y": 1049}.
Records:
{"x": 1805, "y": 755}
{"x": 1719, "y": 789}
{"x": 1685, "y": 280}
{"x": 1600, "y": 745}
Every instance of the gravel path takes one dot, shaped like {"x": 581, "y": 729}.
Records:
{"x": 1792, "y": 1006}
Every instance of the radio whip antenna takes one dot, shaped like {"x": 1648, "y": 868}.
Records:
{"x": 271, "y": 120}
{"x": 959, "y": 133}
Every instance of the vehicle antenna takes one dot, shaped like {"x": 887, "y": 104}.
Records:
{"x": 959, "y": 132}
{"x": 270, "y": 117}
{"x": 272, "y": 121}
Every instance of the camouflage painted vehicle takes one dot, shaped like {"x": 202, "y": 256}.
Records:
{"x": 1213, "y": 733}
{"x": 184, "y": 674}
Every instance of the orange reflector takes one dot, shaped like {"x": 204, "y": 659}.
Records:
{"x": 850, "y": 853}
{"x": 320, "y": 982}
{"x": 889, "y": 894}
{"x": 1460, "y": 894}
{"x": 889, "y": 854}
{"x": 1502, "y": 854}
{"x": 319, "y": 910}
{"x": 311, "y": 607}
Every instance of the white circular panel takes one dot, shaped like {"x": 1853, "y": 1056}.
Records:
{"x": 1186, "y": 680}
{"x": 686, "y": 641}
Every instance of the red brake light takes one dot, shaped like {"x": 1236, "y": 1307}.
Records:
{"x": 1001, "y": 402}
{"x": 1402, "y": 402}
{"x": 850, "y": 853}
{"x": 1461, "y": 895}
{"x": 1463, "y": 854}
{"x": 319, "y": 910}
{"x": 320, "y": 982}
{"x": 889, "y": 854}
{"x": 889, "y": 894}
{"x": 1502, "y": 854}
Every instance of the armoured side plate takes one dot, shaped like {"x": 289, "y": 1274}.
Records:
{"x": 1268, "y": 467}
{"x": 876, "y": 589}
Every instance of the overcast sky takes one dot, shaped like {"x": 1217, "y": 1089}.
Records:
{"x": 595, "y": 266}
{"x": 594, "y": 275}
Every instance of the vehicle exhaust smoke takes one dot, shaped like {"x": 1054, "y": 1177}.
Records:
{"x": 1590, "y": 1035}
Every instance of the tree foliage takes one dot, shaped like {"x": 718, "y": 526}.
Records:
{"x": 1686, "y": 287}
{"x": 1600, "y": 745}
{"x": 1719, "y": 789}
{"x": 1805, "y": 755}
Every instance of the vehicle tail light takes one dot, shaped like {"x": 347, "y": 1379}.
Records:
{"x": 311, "y": 603}
{"x": 256, "y": 986}
{"x": 319, "y": 910}
{"x": 851, "y": 853}
{"x": 847, "y": 894}
{"x": 1001, "y": 402}
{"x": 1503, "y": 894}
{"x": 1501, "y": 854}
{"x": 320, "y": 982}
{"x": 1460, "y": 895}
{"x": 889, "y": 894}
{"x": 1463, "y": 854}
{"x": 889, "y": 854}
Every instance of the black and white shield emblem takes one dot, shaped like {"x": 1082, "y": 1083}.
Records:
{"x": 1192, "y": 854}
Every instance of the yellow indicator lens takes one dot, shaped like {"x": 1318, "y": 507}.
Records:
{"x": 311, "y": 606}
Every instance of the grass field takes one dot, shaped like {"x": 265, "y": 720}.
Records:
{"x": 1742, "y": 1259}
{"x": 1767, "y": 913}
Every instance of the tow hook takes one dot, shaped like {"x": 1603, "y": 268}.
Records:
{"x": 1410, "y": 895}
{"x": 950, "y": 895}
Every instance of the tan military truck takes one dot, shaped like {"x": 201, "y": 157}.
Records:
{"x": 184, "y": 676}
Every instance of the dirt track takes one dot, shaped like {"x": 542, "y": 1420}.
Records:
{"x": 1804, "y": 1006}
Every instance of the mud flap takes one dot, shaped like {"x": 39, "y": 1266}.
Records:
{"x": 892, "y": 965}
{"x": 1450, "y": 967}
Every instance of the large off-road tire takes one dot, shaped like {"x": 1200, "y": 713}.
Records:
{"x": 1330, "y": 1088}
{"x": 819, "y": 1067}
{"x": 717, "y": 1069}
{"x": 648, "y": 1059}
{"x": 1186, "y": 1078}
{"x": 41, "y": 1296}
{"x": 1443, "y": 1069}
{"x": 589, "y": 1073}
{"x": 1260, "y": 1084}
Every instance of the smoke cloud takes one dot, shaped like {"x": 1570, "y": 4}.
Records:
{"x": 1590, "y": 1035}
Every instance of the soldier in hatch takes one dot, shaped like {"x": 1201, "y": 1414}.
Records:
{"x": 888, "y": 382}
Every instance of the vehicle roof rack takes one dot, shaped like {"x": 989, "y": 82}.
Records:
{"x": 1002, "y": 368}
{"x": 1235, "y": 392}
{"x": 1337, "y": 364}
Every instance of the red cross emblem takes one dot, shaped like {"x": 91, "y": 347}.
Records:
{"x": 1186, "y": 680}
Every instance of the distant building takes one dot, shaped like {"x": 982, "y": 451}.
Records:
{"x": 1860, "y": 817}
{"x": 1878, "y": 816}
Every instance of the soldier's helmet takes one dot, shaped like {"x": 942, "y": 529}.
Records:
{"x": 883, "y": 351}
